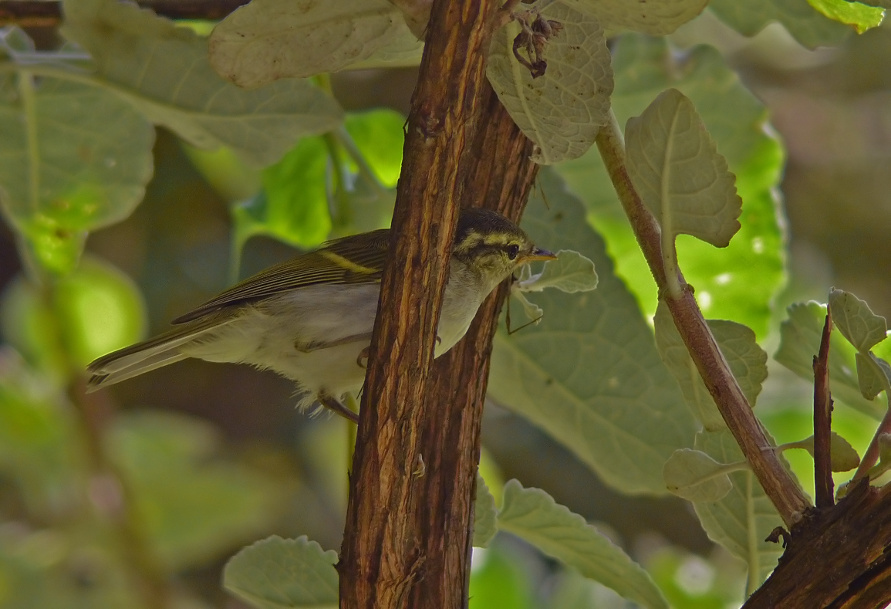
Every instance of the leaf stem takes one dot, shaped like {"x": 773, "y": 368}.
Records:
{"x": 786, "y": 495}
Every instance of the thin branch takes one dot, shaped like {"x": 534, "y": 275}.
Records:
{"x": 823, "y": 421}
{"x": 788, "y": 498}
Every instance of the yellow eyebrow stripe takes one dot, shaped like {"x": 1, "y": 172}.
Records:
{"x": 346, "y": 263}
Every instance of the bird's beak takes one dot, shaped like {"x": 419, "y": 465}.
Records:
{"x": 537, "y": 254}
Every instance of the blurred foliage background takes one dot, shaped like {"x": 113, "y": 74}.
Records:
{"x": 194, "y": 438}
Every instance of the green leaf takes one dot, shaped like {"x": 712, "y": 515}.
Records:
{"x": 695, "y": 476}
{"x": 589, "y": 373}
{"x": 570, "y": 272}
{"x": 653, "y": 17}
{"x": 484, "y": 515}
{"x": 679, "y": 173}
{"x": 809, "y": 27}
{"x": 800, "y": 341}
{"x": 74, "y": 159}
{"x": 740, "y": 281}
{"x": 163, "y": 70}
{"x": 379, "y": 137}
{"x": 562, "y": 110}
{"x": 859, "y": 16}
{"x": 191, "y": 506}
{"x": 842, "y": 455}
{"x": 293, "y": 206}
{"x": 856, "y": 321}
{"x": 276, "y": 573}
{"x": 743, "y": 518}
{"x": 872, "y": 375}
{"x": 747, "y": 361}
{"x": 534, "y": 516}
{"x": 99, "y": 309}
{"x": 267, "y": 40}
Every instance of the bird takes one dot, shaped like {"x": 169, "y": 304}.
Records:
{"x": 310, "y": 318}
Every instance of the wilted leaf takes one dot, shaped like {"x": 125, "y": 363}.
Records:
{"x": 534, "y": 515}
{"x": 561, "y": 111}
{"x": 680, "y": 175}
{"x": 694, "y": 476}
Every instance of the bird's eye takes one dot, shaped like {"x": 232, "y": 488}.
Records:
{"x": 513, "y": 250}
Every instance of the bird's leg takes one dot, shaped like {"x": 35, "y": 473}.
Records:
{"x": 333, "y": 404}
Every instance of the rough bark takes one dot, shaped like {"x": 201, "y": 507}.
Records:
{"x": 838, "y": 557}
{"x": 408, "y": 529}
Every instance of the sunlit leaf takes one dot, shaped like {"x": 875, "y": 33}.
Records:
{"x": 740, "y": 281}
{"x": 562, "y": 110}
{"x": 842, "y": 455}
{"x": 695, "y": 476}
{"x": 163, "y": 70}
{"x": 276, "y": 573}
{"x": 268, "y": 40}
{"x": 859, "y": 16}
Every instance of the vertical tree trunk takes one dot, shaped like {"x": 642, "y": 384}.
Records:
{"x": 408, "y": 527}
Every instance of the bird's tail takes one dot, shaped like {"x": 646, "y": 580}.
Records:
{"x": 149, "y": 355}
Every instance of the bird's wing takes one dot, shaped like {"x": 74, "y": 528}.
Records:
{"x": 355, "y": 259}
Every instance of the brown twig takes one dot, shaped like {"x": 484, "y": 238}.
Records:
{"x": 823, "y": 420}
{"x": 788, "y": 498}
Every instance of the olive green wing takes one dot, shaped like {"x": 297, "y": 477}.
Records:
{"x": 354, "y": 259}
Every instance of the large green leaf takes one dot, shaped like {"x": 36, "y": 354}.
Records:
{"x": 589, "y": 373}
{"x": 747, "y": 361}
{"x": 73, "y": 158}
{"x": 276, "y": 573}
{"x": 738, "y": 282}
{"x": 856, "y": 321}
{"x": 563, "y": 109}
{"x": 163, "y": 70}
{"x": 743, "y": 517}
{"x": 267, "y": 40}
{"x": 679, "y": 174}
{"x": 534, "y": 515}
{"x": 809, "y": 27}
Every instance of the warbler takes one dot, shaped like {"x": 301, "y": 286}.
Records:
{"x": 310, "y": 319}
